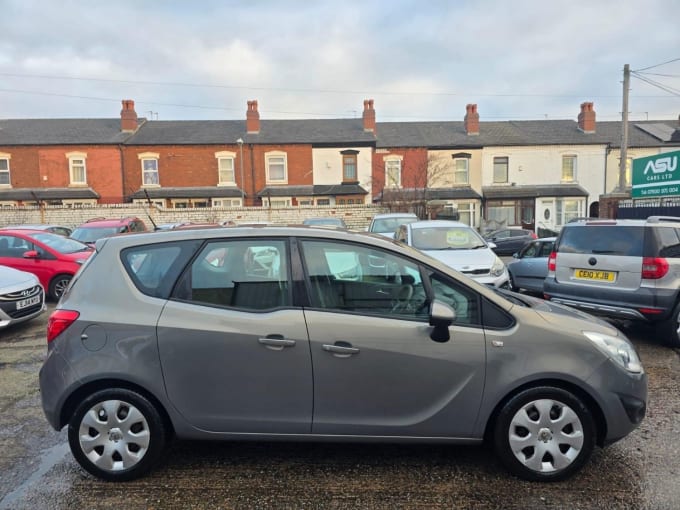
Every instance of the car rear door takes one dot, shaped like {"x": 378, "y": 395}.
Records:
{"x": 234, "y": 351}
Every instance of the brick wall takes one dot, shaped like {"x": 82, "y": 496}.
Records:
{"x": 356, "y": 217}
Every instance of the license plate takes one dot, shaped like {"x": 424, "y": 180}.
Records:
{"x": 590, "y": 274}
{"x": 28, "y": 302}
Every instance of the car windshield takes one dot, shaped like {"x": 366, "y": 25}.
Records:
{"x": 446, "y": 238}
{"x": 59, "y": 243}
{"x": 384, "y": 225}
{"x": 91, "y": 234}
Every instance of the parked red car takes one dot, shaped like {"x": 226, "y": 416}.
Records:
{"x": 54, "y": 259}
{"x": 96, "y": 228}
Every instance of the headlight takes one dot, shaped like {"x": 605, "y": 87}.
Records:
{"x": 498, "y": 267}
{"x": 618, "y": 349}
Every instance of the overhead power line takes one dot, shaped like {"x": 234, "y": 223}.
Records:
{"x": 656, "y": 65}
{"x": 653, "y": 83}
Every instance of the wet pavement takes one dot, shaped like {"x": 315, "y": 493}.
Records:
{"x": 38, "y": 471}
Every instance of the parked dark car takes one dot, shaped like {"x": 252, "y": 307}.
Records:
{"x": 323, "y": 334}
{"x": 529, "y": 266}
{"x": 510, "y": 240}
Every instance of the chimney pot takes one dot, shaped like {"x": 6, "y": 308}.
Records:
{"x": 586, "y": 119}
{"x": 252, "y": 118}
{"x": 369, "y": 116}
{"x": 128, "y": 116}
{"x": 471, "y": 120}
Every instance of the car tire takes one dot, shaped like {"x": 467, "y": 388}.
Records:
{"x": 511, "y": 283}
{"x": 544, "y": 434}
{"x": 58, "y": 285}
{"x": 669, "y": 329}
{"x": 117, "y": 434}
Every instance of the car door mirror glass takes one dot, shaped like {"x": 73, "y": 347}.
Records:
{"x": 441, "y": 317}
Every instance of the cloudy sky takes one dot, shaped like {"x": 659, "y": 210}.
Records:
{"x": 419, "y": 60}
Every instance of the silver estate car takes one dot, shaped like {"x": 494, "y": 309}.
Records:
{"x": 313, "y": 334}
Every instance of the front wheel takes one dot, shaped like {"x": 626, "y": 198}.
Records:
{"x": 669, "y": 330}
{"x": 544, "y": 434}
{"x": 117, "y": 434}
{"x": 58, "y": 285}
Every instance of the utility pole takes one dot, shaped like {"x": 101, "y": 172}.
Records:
{"x": 624, "y": 131}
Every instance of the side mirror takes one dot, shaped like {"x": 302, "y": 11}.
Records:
{"x": 31, "y": 254}
{"x": 441, "y": 317}
{"x": 492, "y": 245}
{"x": 515, "y": 255}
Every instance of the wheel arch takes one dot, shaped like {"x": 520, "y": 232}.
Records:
{"x": 588, "y": 400}
{"x": 75, "y": 398}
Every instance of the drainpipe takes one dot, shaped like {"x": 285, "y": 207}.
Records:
{"x": 252, "y": 172}
{"x": 122, "y": 172}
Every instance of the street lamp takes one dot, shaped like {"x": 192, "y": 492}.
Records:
{"x": 243, "y": 184}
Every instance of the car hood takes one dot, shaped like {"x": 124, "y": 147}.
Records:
{"x": 13, "y": 280}
{"x": 564, "y": 316}
{"x": 464, "y": 260}
{"x": 76, "y": 256}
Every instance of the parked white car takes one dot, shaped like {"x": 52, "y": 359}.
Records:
{"x": 458, "y": 246}
{"x": 22, "y": 298}
{"x": 387, "y": 224}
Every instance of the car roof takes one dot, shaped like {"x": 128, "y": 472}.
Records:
{"x": 437, "y": 223}
{"x": 394, "y": 215}
{"x": 106, "y": 222}
{"x": 35, "y": 226}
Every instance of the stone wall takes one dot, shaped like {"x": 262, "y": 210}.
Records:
{"x": 355, "y": 216}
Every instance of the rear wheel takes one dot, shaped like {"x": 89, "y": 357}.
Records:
{"x": 58, "y": 285}
{"x": 117, "y": 434}
{"x": 544, "y": 434}
{"x": 670, "y": 328}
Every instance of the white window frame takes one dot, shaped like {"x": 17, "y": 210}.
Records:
{"x": 224, "y": 158}
{"x": 174, "y": 203}
{"x": 574, "y": 162}
{"x": 149, "y": 156}
{"x": 305, "y": 202}
{"x": 268, "y": 156}
{"x": 562, "y": 216}
{"x": 82, "y": 202}
{"x": 4, "y": 156}
{"x": 227, "y": 202}
{"x": 465, "y": 172}
{"x": 467, "y": 208}
{"x": 319, "y": 200}
{"x": 276, "y": 202}
{"x": 393, "y": 164}
{"x": 160, "y": 203}
{"x": 75, "y": 161}
{"x": 507, "y": 170}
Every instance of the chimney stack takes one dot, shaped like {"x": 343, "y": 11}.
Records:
{"x": 128, "y": 116}
{"x": 586, "y": 119}
{"x": 471, "y": 119}
{"x": 252, "y": 118}
{"x": 369, "y": 116}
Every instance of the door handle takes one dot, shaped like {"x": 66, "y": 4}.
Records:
{"x": 275, "y": 342}
{"x": 340, "y": 351}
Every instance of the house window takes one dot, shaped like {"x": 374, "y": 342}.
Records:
{"x": 225, "y": 168}
{"x": 460, "y": 171}
{"x": 305, "y": 201}
{"x": 568, "y": 168}
{"x": 466, "y": 213}
{"x": 180, "y": 204}
{"x": 500, "y": 170}
{"x": 349, "y": 166}
{"x": 323, "y": 201}
{"x": 276, "y": 202}
{"x": 393, "y": 173}
{"x": 76, "y": 168}
{"x": 226, "y": 202}
{"x": 276, "y": 168}
{"x": 567, "y": 210}
{"x": 4, "y": 170}
{"x": 149, "y": 168}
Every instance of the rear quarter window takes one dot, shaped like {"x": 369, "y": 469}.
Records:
{"x": 154, "y": 268}
{"x": 619, "y": 240}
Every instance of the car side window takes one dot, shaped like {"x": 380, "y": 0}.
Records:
{"x": 349, "y": 278}
{"x": 248, "y": 274}
{"x": 670, "y": 243}
{"x": 530, "y": 251}
{"x": 463, "y": 300}
{"x": 154, "y": 268}
{"x": 546, "y": 249}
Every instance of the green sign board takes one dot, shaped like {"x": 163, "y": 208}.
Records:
{"x": 656, "y": 176}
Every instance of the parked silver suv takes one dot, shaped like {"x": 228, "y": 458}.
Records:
{"x": 323, "y": 334}
{"x": 625, "y": 269}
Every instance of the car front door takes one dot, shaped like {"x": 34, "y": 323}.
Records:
{"x": 376, "y": 370}
{"x": 234, "y": 351}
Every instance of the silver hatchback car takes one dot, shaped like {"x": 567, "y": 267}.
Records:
{"x": 313, "y": 334}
